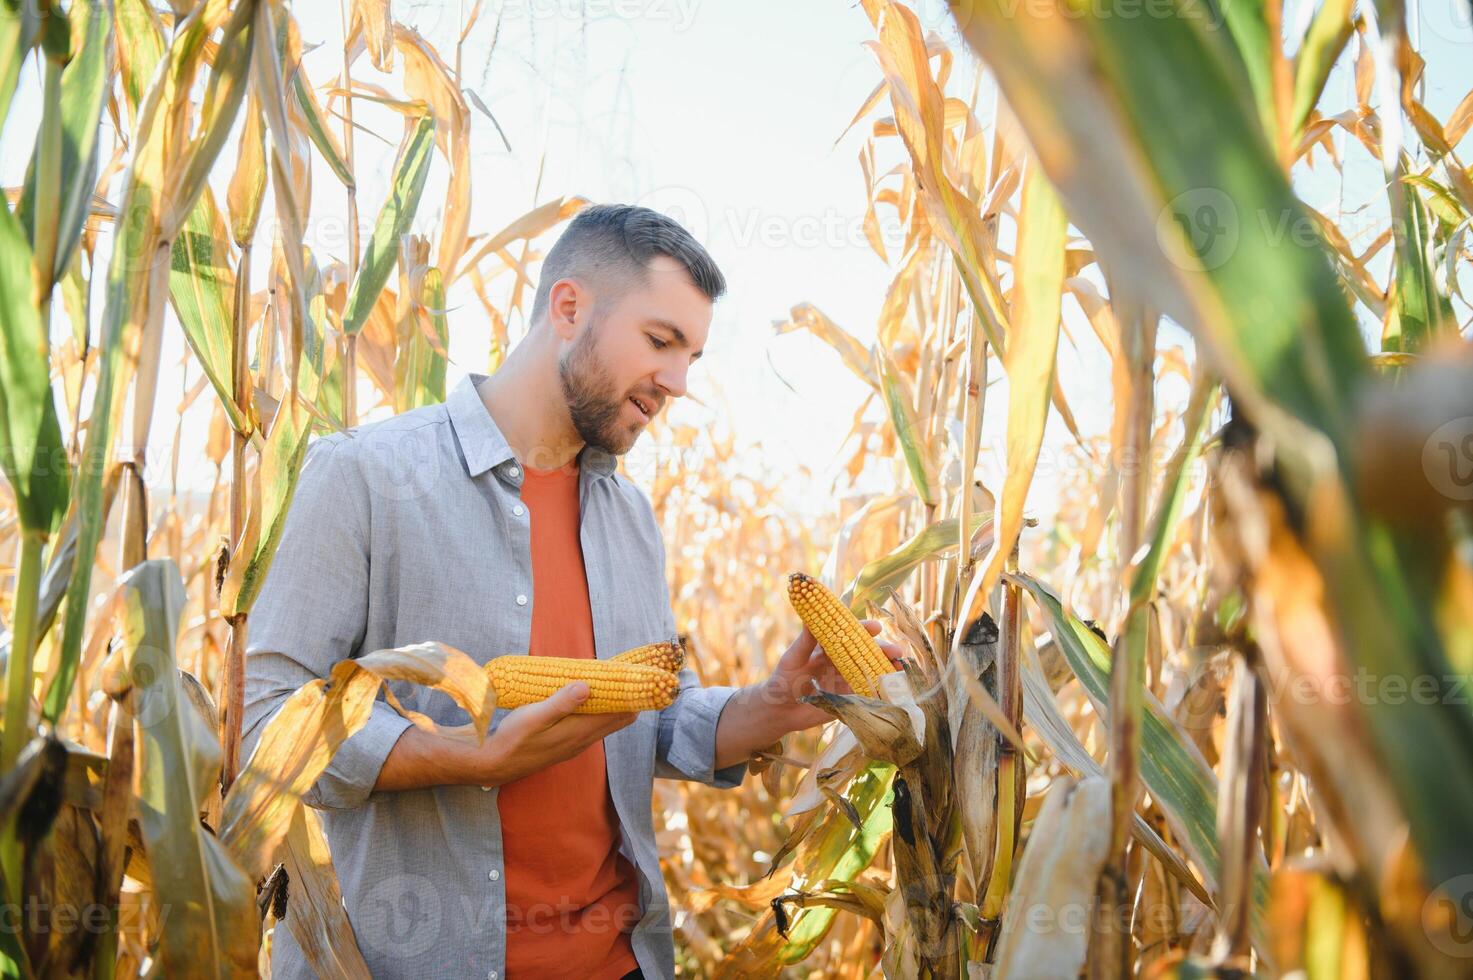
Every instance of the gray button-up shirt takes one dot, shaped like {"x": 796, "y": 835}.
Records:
{"x": 411, "y": 529}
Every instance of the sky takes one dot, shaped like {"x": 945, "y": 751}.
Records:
{"x": 726, "y": 116}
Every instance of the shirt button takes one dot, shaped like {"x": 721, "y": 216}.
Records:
{"x": 521, "y": 600}
{"x": 514, "y": 471}
{"x": 491, "y": 975}
{"x": 519, "y": 510}
{"x": 494, "y": 875}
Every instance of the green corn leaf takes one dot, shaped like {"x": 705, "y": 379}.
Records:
{"x": 34, "y": 457}
{"x": 900, "y": 403}
{"x": 317, "y": 131}
{"x": 1166, "y": 171}
{"x": 202, "y": 288}
{"x": 1172, "y": 769}
{"x": 1042, "y": 713}
{"x": 393, "y": 221}
{"x": 1328, "y": 34}
{"x": 842, "y": 854}
{"x": 1161, "y": 162}
{"x": 84, "y": 87}
{"x": 224, "y": 93}
{"x": 282, "y": 455}
{"x": 419, "y": 369}
{"x": 1247, "y": 24}
{"x": 140, "y": 46}
{"x": 19, "y": 28}
{"x": 315, "y": 378}
{"x": 1419, "y": 311}
{"x": 153, "y": 206}
{"x": 876, "y": 579}
{"x": 281, "y": 464}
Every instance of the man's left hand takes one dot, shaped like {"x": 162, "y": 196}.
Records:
{"x": 805, "y": 662}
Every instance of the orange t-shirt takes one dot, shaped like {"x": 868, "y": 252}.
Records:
{"x": 571, "y": 898}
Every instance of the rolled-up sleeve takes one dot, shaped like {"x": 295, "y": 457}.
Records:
{"x": 685, "y": 744}
{"x": 311, "y": 613}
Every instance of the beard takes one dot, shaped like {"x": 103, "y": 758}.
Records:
{"x": 593, "y": 401}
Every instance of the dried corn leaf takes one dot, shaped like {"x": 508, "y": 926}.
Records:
{"x": 300, "y": 739}
{"x": 211, "y": 929}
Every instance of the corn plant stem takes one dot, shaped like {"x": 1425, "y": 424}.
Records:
{"x": 18, "y": 688}
{"x": 113, "y": 827}
{"x": 22, "y": 648}
{"x": 929, "y": 581}
{"x": 1009, "y": 764}
{"x": 1010, "y": 678}
{"x": 241, "y": 387}
{"x": 1111, "y": 949}
{"x": 133, "y": 542}
{"x": 234, "y": 701}
{"x": 18, "y": 668}
{"x": 234, "y": 679}
{"x": 972, "y": 409}
{"x": 350, "y": 342}
{"x": 1241, "y": 795}
{"x": 1138, "y": 337}
{"x": 350, "y": 380}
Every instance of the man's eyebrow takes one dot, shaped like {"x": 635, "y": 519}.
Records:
{"x": 679, "y": 334}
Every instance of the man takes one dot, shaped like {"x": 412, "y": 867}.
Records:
{"x": 496, "y": 523}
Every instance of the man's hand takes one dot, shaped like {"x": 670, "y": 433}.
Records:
{"x": 529, "y": 738}
{"x": 805, "y": 662}
{"x": 538, "y": 735}
{"x": 759, "y": 714}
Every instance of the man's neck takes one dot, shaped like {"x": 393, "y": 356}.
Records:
{"x": 534, "y": 422}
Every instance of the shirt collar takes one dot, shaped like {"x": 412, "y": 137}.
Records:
{"x": 483, "y": 444}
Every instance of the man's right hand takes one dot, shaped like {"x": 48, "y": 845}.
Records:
{"x": 542, "y": 734}
{"x": 529, "y": 738}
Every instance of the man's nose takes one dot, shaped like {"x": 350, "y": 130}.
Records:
{"x": 672, "y": 381}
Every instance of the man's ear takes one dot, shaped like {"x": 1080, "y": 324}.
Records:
{"x": 567, "y": 308}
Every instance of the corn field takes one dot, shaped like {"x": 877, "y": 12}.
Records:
{"x": 1208, "y": 716}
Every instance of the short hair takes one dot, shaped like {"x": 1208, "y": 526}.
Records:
{"x": 612, "y": 245}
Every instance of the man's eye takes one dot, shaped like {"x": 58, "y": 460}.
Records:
{"x": 657, "y": 342}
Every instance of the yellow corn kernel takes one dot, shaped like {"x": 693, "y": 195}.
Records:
{"x": 613, "y": 686}
{"x": 848, "y": 644}
{"x": 667, "y": 656}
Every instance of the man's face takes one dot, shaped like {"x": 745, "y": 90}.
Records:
{"x": 624, "y": 365}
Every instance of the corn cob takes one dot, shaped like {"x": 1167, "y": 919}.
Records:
{"x": 667, "y": 656}
{"x": 848, "y": 644}
{"x": 613, "y": 685}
